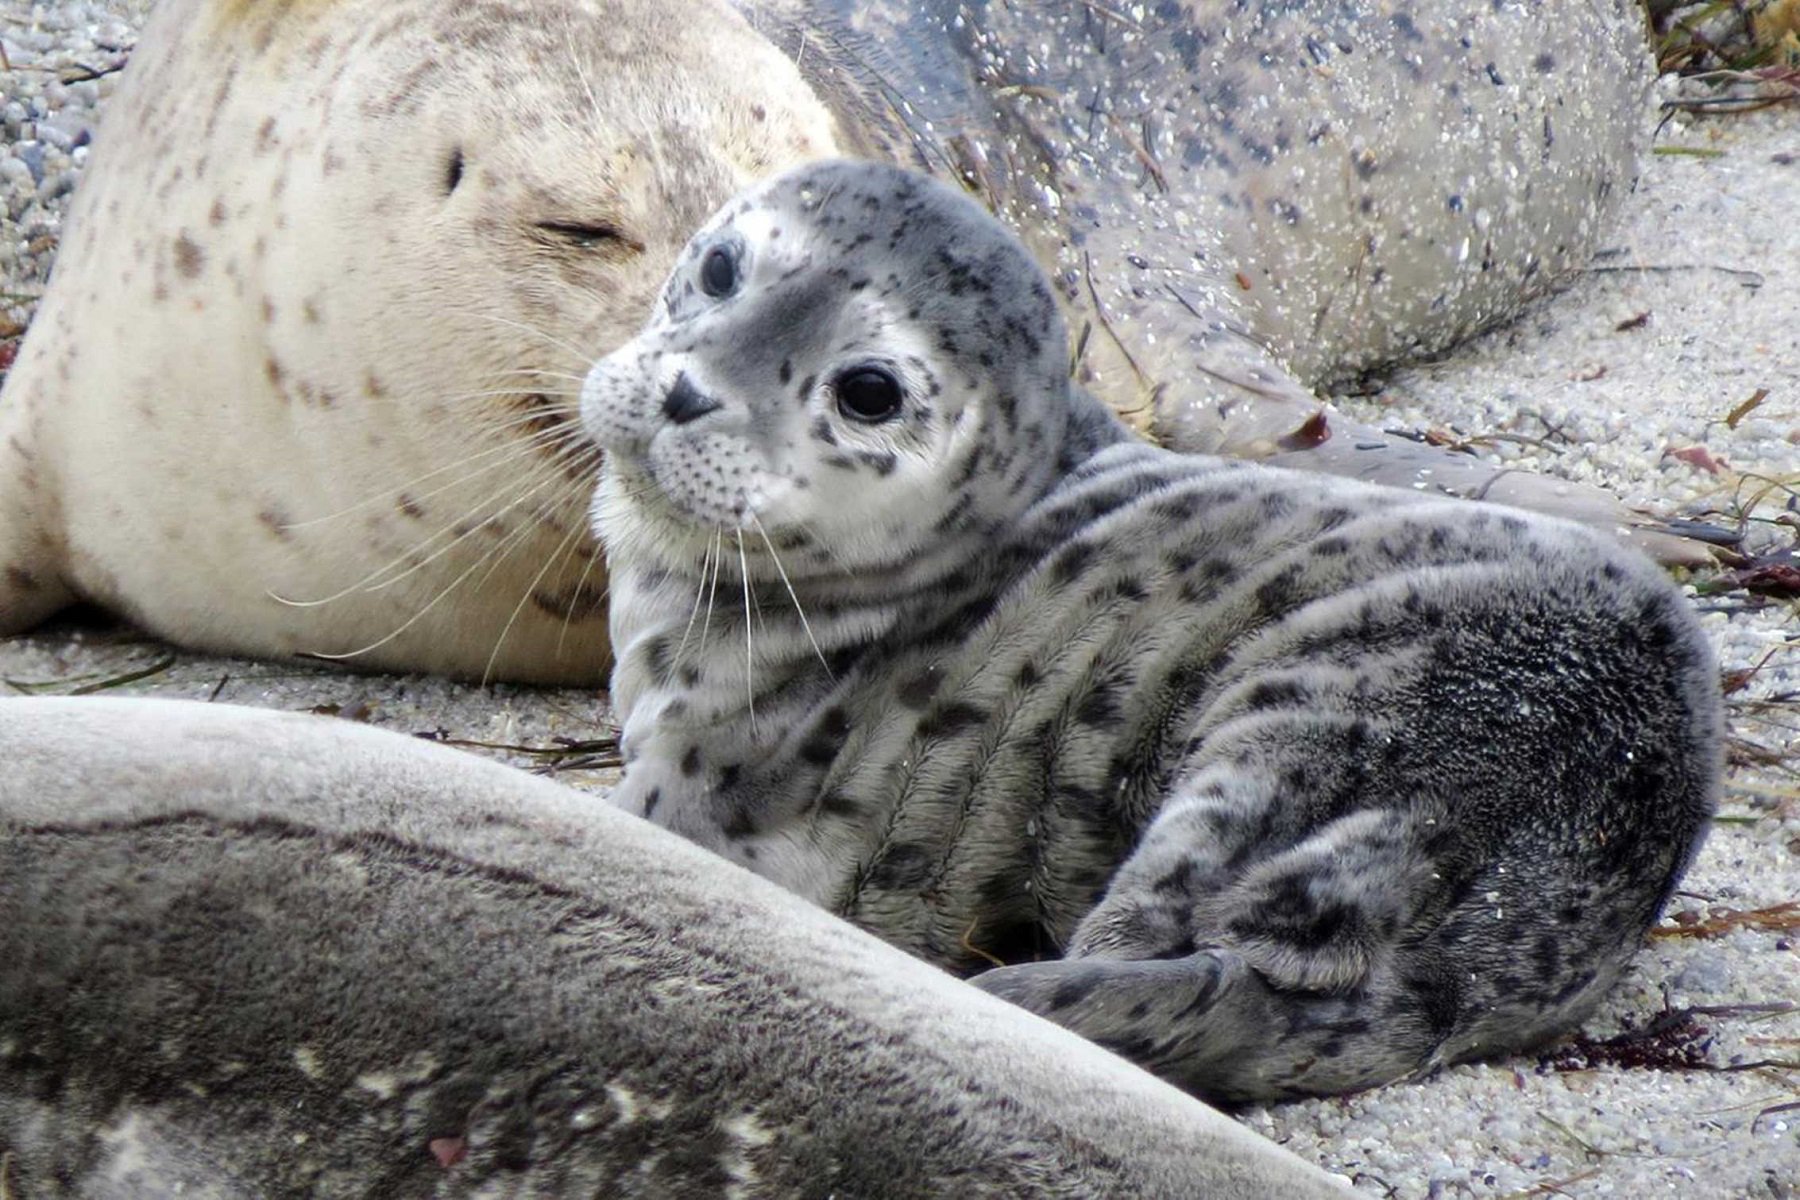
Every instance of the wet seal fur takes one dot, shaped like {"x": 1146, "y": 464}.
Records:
{"x": 302, "y": 384}
{"x": 1275, "y": 784}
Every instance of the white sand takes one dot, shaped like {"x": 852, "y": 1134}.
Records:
{"x": 1607, "y": 403}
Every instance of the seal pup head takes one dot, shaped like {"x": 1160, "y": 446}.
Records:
{"x": 852, "y": 360}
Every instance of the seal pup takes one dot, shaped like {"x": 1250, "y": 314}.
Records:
{"x": 299, "y": 383}
{"x": 1276, "y": 784}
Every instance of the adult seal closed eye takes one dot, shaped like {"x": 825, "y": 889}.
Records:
{"x": 1274, "y": 784}
{"x": 302, "y": 384}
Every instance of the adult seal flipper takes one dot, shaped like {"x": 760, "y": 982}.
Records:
{"x": 307, "y": 957}
{"x": 1241, "y": 202}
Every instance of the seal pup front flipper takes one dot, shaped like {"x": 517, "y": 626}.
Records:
{"x": 270, "y": 954}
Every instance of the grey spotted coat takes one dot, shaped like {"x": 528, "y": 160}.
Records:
{"x": 1274, "y": 784}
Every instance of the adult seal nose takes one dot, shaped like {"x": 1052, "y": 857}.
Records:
{"x": 686, "y": 403}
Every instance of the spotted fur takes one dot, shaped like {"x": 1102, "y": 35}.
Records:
{"x": 1272, "y": 783}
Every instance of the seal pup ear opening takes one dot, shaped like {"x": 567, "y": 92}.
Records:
{"x": 852, "y": 359}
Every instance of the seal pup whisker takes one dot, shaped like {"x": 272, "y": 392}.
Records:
{"x": 480, "y": 513}
{"x": 580, "y": 590}
{"x": 799, "y": 609}
{"x": 504, "y": 454}
{"x": 706, "y": 566}
{"x": 545, "y": 373}
{"x": 550, "y": 339}
{"x": 749, "y": 651}
{"x": 712, "y": 590}
{"x": 545, "y": 510}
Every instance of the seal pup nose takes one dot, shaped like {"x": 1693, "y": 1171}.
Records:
{"x": 686, "y": 403}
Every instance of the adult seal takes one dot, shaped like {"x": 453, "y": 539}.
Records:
{"x": 383, "y": 968}
{"x": 303, "y": 382}
{"x": 1277, "y": 786}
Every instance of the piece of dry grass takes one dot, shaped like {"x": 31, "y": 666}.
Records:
{"x": 1720, "y": 920}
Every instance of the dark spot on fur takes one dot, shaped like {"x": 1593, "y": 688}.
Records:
{"x": 190, "y": 259}
{"x": 1072, "y": 561}
{"x": 901, "y": 867}
{"x": 916, "y": 692}
{"x": 1277, "y": 693}
{"x": 1073, "y": 989}
{"x": 884, "y": 461}
{"x": 1278, "y": 594}
{"x": 657, "y": 657}
{"x": 949, "y": 718}
{"x": 835, "y": 804}
{"x": 583, "y": 602}
{"x": 822, "y": 745}
{"x": 1100, "y": 708}
{"x": 1178, "y": 882}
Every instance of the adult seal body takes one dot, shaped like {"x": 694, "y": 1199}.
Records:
{"x": 383, "y": 968}
{"x": 303, "y": 381}
{"x": 1274, "y": 784}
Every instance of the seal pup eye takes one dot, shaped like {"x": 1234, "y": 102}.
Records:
{"x": 868, "y": 394}
{"x": 718, "y": 273}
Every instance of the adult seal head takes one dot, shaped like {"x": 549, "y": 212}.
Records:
{"x": 303, "y": 382}
{"x": 302, "y": 385}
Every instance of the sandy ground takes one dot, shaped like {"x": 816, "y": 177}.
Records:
{"x": 1688, "y": 1083}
